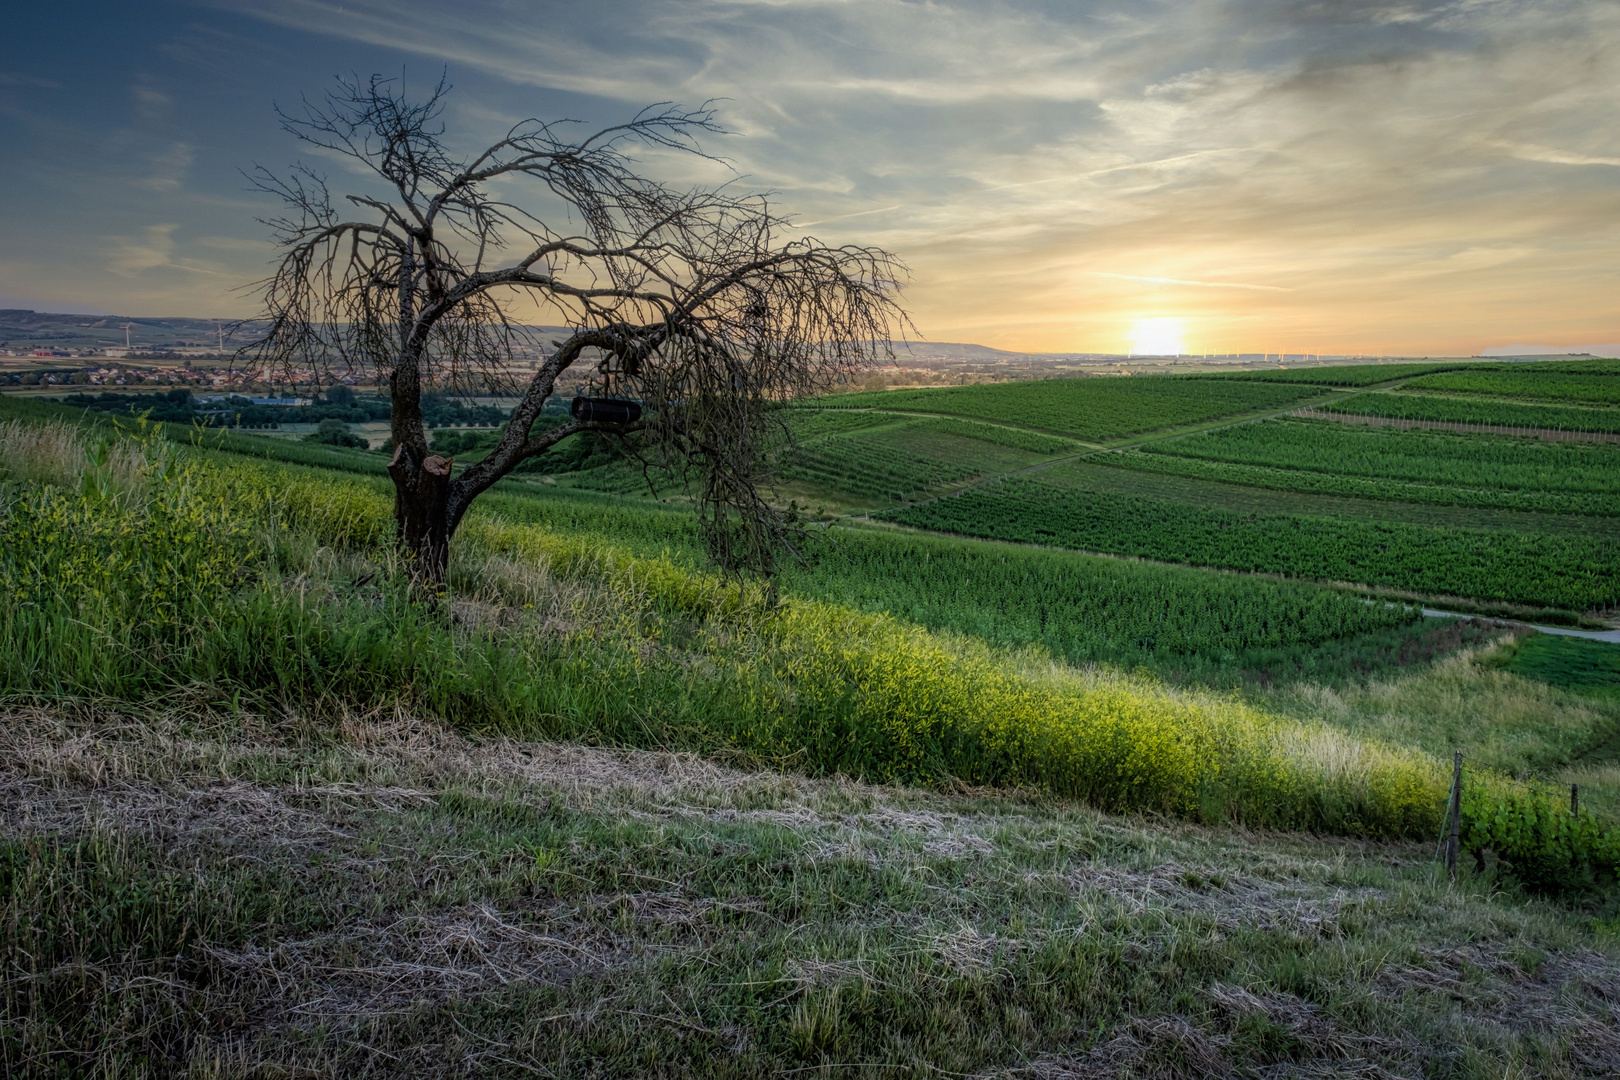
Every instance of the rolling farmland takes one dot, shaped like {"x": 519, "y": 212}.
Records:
{"x": 1334, "y": 374}
{"x": 1089, "y": 408}
{"x": 898, "y": 462}
{"x": 1435, "y": 467}
{"x": 1572, "y": 389}
{"x": 1084, "y": 608}
{"x": 1499, "y": 413}
{"x": 1571, "y": 571}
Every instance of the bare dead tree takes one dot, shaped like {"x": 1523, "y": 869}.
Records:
{"x": 683, "y": 297}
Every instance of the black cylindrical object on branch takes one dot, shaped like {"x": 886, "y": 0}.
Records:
{"x": 605, "y": 410}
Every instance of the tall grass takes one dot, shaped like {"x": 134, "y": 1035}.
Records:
{"x": 254, "y": 585}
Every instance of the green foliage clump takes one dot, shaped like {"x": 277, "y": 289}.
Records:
{"x": 451, "y": 443}
{"x": 1538, "y": 840}
{"x": 336, "y": 433}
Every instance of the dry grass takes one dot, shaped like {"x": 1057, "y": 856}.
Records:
{"x": 58, "y": 453}
{"x": 1499, "y": 719}
{"x": 448, "y": 904}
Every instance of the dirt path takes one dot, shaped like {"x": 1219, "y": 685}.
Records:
{"x": 1137, "y": 441}
{"x": 1562, "y": 631}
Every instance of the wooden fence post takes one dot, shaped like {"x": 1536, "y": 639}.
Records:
{"x": 1456, "y": 816}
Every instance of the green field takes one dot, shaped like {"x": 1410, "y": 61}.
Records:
{"x": 1435, "y": 467}
{"x": 1335, "y": 374}
{"x": 899, "y": 462}
{"x": 1572, "y": 663}
{"x": 1477, "y": 411}
{"x": 1068, "y": 508}
{"x": 1596, "y": 366}
{"x": 1595, "y": 389}
{"x": 1095, "y": 408}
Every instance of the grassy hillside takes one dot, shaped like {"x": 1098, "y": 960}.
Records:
{"x": 382, "y": 895}
{"x": 269, "y": 810}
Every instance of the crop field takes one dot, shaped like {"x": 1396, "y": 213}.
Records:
{"x": 897, "y": 463}
{"x": 1571, "y": 571}
{"x": 1435, "y": 467}
{"x": 1092, "y": 408}
{"x": 1334, "y": 374}
{"x": 1367, "y": 488}
{"x": 861, "y": 457}
{"x": 1082, "y": 608}
{"x": 1536, "y": 385}
{"x": 1477, "y": 411}
{"x": 1597, "y": 366}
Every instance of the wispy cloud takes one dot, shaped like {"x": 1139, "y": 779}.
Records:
{"x": 153, "y": 249}
{"x": 1424, "y": 174}
{"x": 1556, "y": 157}
{"x": 1193, "y": 284}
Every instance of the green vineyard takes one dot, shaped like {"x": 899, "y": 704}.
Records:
{"x": 1358, "y": 487}
{"x": 1519, "y": 383}
{"x": 1088, "y": 408}
{"x": 1572, "y": 572}
{"x": 897, "y": 463}
{"x": 1432, "y": 457}
{"x": 1437, "y": 467}
{"x": 1460, "y": 410}
{"x": 1085, "y": 608}
{"x": 1335, "y": 374}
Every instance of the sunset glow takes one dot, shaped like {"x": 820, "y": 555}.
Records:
{"x": 1347, "y": 182}
{"x": 1157, "y": 337}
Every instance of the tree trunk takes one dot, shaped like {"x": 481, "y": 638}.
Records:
{"x": 422, "y": 511}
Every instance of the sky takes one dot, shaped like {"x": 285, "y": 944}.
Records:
{"x": 1064, "y": 176}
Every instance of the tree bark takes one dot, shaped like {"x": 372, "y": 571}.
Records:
{"x": 422, "y": 512}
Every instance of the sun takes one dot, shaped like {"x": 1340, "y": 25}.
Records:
{"x": 1156, "y": 337}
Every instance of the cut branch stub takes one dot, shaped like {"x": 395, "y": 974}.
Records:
{"x": 421, "y": 510}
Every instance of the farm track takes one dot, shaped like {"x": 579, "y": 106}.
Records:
{"x": 1095, "y": 449}
{"x": 1562, "y": 631}
{"x": 1431, "y": 603}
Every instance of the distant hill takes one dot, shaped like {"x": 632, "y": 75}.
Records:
{"x": 42, "y": 328}
{"x": 39, "y": 329}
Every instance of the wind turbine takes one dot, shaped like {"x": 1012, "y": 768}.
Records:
{"x": 126, "y": 334}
